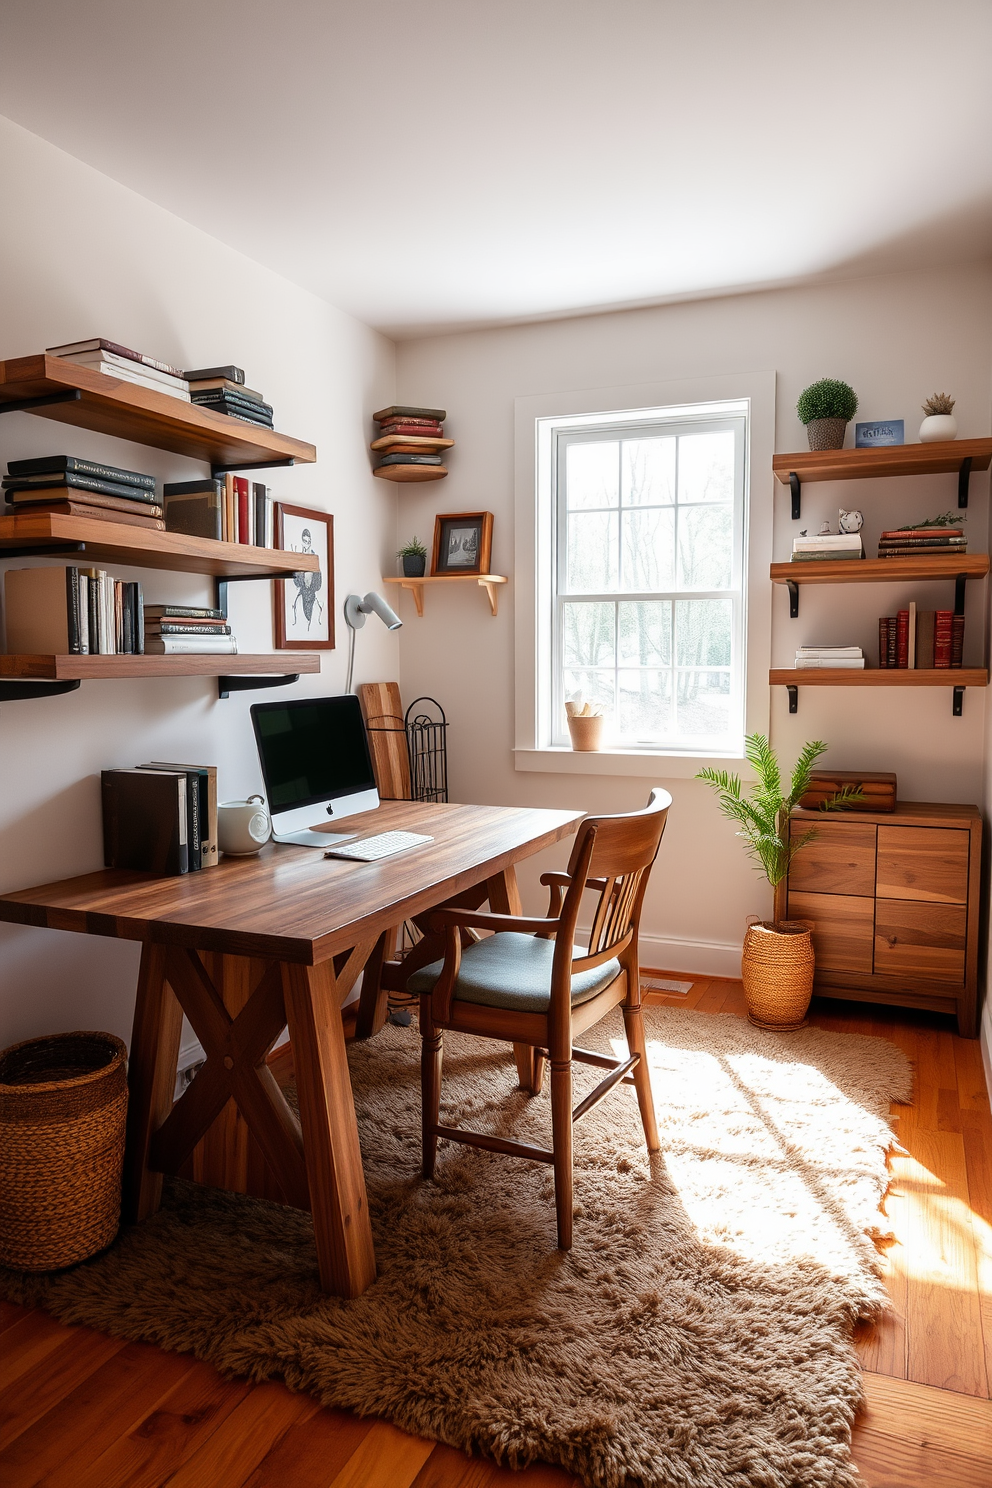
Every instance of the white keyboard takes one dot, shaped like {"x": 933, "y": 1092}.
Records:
{"x": 371, "y": 849}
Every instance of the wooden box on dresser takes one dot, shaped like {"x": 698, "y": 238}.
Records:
{"x": 894, "y": 902}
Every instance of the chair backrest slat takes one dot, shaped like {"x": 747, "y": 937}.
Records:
{"x": 623, "y": 850}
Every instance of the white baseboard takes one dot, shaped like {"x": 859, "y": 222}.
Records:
{"x": 696, "y": 957}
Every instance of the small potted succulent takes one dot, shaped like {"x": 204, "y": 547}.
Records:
{"x": 940, "y": 422}
{"x": 414, "y": 556}
{"x": 826, "y": 408}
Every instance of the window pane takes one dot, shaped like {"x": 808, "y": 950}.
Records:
{"x": 648, "y": 549}
{"x": 645, "y": 705}
{"x": 595, "y": 687}
{"x": 706, "y": 535}
{"x": 703, "y": 630}
{"x": 592, "y": 552}
{"x": 648, "y": 472}
{"x": 706, "y": 466}
{"x": 587, "y": 635}
{"x": 703, "y": 704}
{"x": 592, "y": 474}
{"x": 645, "y": 634}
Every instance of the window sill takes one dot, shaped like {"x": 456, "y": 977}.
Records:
{"x": 645, "y": 764}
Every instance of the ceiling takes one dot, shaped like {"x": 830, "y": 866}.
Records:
{"x": 433, "y": 164}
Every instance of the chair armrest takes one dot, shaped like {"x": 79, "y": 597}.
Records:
{"x": 478, "y": 920}
{"x": 563, "y": 880}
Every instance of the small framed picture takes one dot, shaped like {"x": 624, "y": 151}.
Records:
{"x": 304, "y": 603}
{"x": 879, "y": 432}
{"x": 463, "y": 543}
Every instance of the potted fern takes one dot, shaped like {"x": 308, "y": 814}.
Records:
{"x": 826, "y": 408}
{"x": 414, "y": 556}
{"x": 777, "y": 960}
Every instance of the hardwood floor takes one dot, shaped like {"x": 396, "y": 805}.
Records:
{"x": 79, "y": 1410}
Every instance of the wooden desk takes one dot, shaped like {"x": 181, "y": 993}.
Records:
{"x": 253, "y": 944}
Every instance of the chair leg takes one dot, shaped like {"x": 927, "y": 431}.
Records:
{"x": 633, "y": 1024}
{"x": 561, "y": 1126}
{"x": 431, "y": 1054}
{"x": 537, "y": 1084}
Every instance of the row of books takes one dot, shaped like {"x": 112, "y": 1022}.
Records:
{"x": 906, "y": 542}
{"x": 76, "y": 611}
{"x": 410, "y": 436}
{"x": 843, "y": 658}
{"x": 221, "y": 389}
{"x": 70, "y": 486}
{"x": 923, "y": 639}
{"x": 229, "y": 508}
{"x": 160, "y": 818}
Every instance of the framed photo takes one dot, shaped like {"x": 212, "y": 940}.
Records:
{"x": 304, "y": 604}
{"x": 879, "y": 432}
{"x": 463, "y": 543}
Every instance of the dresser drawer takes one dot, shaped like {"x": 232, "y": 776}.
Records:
{"x": 842, "y": 929}
{"x": 928, "y": 863}
{"x": 839, "y": 860}
{"x": 925, "y": 941}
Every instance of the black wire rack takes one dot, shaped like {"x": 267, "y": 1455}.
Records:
{"x": 427, "y": 744}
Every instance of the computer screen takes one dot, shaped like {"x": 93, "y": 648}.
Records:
{"x": 312, "y": 750}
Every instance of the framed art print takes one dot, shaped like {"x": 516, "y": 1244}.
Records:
{"x": 304, "y": 603}
{"x": 462, "y": 543}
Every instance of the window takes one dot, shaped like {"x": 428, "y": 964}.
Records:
{"x": 647, "y": 588}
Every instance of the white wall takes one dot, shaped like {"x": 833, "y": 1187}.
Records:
{"x": 79, "y": 256}
{"x": 896, "y": 338}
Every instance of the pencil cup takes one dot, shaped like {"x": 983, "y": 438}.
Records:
{"x": 587, "y": 733}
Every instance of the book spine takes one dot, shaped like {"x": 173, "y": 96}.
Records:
{"x": 127, "y": 621}
{"x": 957, "y": 640}
{"x": 20, "y": 488}
{"x": 193, "y": 810}
{"x": 139, "y": 621}
{"x": 72, "y": 625}
{"x": 943, "y": 635}
{"x": 902, "y": 639}
{"x": 83, "y": 591}
{"x": 258, "y": 492}
{"x": 176, "y": 627}
{"x": 137, "y": 356}
{"x": 241, "y": 509}
{"x": 883, "y": 641}
{"x": 111, "y": 819}
{"x": 93, "y": 598}
{"x": 911, "y": 662}
{"x": 893, "y": 640}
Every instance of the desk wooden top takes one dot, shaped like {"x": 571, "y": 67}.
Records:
{"x": 292, "y": 903}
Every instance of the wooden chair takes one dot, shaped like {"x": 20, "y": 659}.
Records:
{"x": 530, "y": 985}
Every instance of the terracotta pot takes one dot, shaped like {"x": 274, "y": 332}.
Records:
{"x": 777, "y": 972}
{"x": 587, "y": 733}
{"x": 826, "y": 434}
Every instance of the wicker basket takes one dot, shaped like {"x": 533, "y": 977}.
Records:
{"x": 63, "y": 1101}
{"x": 826, "y": 434}
{"x": 777, "y": 971}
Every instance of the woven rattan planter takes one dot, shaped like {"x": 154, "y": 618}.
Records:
{"x": 63, "y": 1101}
{"x": 777, "y": 971}
{"x": 826, "y": 434}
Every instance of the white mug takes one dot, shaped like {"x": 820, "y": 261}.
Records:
{"x": 242, "y": 826}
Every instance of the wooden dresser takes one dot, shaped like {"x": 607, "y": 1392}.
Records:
{"x": 894, "y": 901}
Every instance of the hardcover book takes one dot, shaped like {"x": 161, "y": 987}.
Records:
{"x": 76, "y": 496}
{"x": 197, "y": 513}
{"x": 149, "y": 517}
{"x": 97, "y": 343}
{"x": 62, "y": 464}
{"x": 101, "y": 360}
{"x": 925, "y": 622}
{"x": 404, "y": 411}
{"x": 182, "y": 612}
{"x": 42, "y": 607}
{"x": 191, "y": 646}
{"x": 209, "y": 850}
{"x": 195, "y": 806}
{"x": 417, "y": 459}
{"x": 202, "y": 374}
{"x": 224, "y": 384}
{"x": 71, "y": 481}
{"x": 145, "y": 821}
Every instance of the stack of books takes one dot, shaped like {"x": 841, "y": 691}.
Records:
{"x": 411, "y": 443}
{"x": 72, "y": 612}
{"x": 223, "y": 390}
{"x": 187, "y": 630}
{"x": 844, "y": 658}
{"x": 160, "y": 818}
{"x": 126, "y": 365}
{"x": 905, "y": 542}
{"x": 228, "y": 508}
{"x": 921, "y": 639}
{"x": 829, "y": 545}
{"x": 82, "y": 488}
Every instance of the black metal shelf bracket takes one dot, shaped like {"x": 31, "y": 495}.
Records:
{"x": 28, "y": 405}
{"x": 216, "y": 470}
{"x": 227, "y": 685}
{"x": 793, "y": 589}
{"x": 13, "y": 691}
{"x": 959, "y": 588}
{"x": 957, "y": 702}
{"x": 793, "y": 692}
{"x": 795, "y": 485}
{"x": 964, "y": 476}
{"x": 42, "y": 550}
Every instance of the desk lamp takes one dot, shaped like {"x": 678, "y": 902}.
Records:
{"x": 355, "y": 612}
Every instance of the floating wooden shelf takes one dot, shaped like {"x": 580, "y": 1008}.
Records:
{"x": 947, "y": 457}
{"x": 489, "y": 582}
{"x": 143, "y": 415}
{"x": 85, "y": 668}
{"x": 93, "y": 540}
{"x": 410, "y": 472}
{"x": 878, "y": 677}
{"x": 881, "y": 570}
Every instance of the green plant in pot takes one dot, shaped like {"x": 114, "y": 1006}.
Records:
{"x": 777, "y": 960}
{"x": 826, "y": 408}
{"x": 414, "y": 556}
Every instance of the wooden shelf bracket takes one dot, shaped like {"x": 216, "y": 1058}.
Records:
{"x": 12, "y": 692}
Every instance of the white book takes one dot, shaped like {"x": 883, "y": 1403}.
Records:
{"x": 828, "y": 663}
{"x": 829, "y": 651}
{"x": 836, "y": 540}
{"x": 124, "y": 373}
{"x": 191, "y": 646}
{"x": 111, "y": 359}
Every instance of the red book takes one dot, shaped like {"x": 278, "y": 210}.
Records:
{"x": 957, "y": 640}
{"x": 883, "y": 640}
{"x": 420, "y": 431}
{"x": 241, "y": 508}
{"x": 902, "y": 639}
{"x": 943, "y": 636}
{"x": 892, "y": 641}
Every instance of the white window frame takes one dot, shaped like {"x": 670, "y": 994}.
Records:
{"x": 538, "y": 419}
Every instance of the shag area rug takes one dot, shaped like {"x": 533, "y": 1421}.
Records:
{"x": 699, "y": 1333}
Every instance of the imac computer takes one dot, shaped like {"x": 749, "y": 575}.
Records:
{"x": 316, "y": 766}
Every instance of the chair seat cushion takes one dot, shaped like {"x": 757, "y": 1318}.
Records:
{"x": 510, "y": 970}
